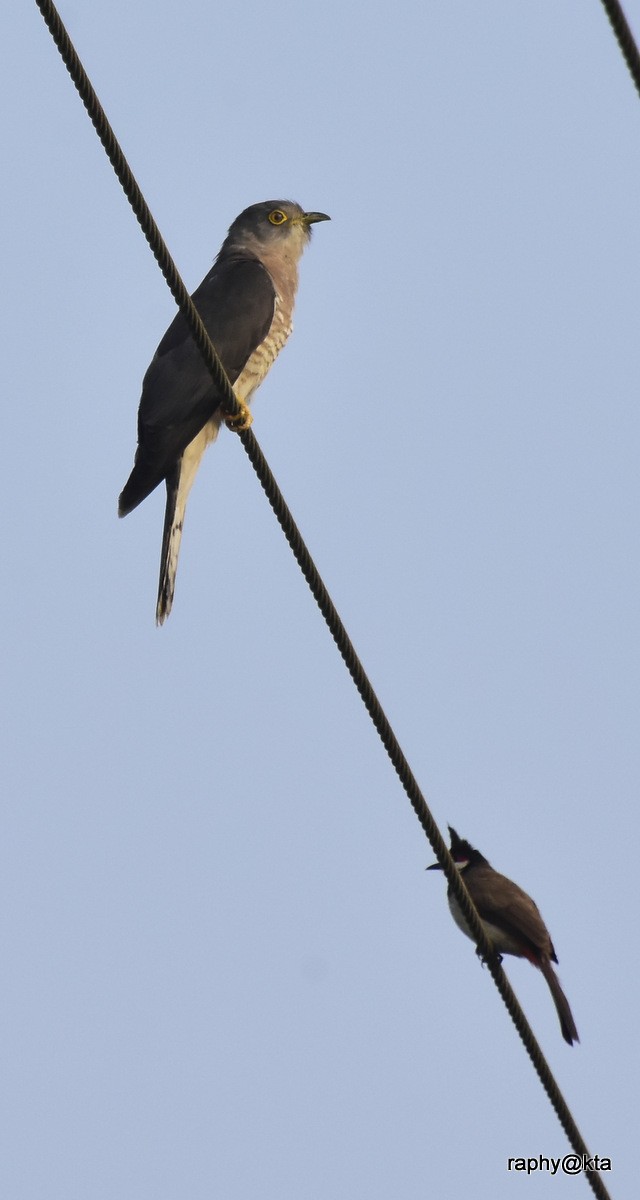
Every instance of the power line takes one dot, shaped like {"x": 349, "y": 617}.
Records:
{"x": 625, "y": 38}
{"x": 316, "y": 585}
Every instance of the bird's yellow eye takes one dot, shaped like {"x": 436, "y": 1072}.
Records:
{"x": 277, "y": 217}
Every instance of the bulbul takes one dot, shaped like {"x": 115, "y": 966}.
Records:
{"x": 510, "y": 920}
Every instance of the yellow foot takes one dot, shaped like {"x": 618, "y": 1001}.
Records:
{"x": 241, "y": 422}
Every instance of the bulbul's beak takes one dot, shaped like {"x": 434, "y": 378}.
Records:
{"x": 434, "y": 867}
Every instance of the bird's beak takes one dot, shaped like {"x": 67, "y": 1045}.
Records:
{"x": 312, "y": 217}
{"x": 434, "y": 867}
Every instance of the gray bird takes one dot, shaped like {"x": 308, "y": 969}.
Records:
{"x": 246, "y": 305}
{"x": 511, "y": 921}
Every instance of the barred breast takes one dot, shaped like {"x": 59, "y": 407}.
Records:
{"x": 265, "y": 355}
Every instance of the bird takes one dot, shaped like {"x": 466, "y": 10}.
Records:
{"x": 510, "y": 919}
{"x": 246, "y": 304}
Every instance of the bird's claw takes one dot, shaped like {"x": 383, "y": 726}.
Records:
{"x": 241, "y": 421}
{"x": 484, "y": 960}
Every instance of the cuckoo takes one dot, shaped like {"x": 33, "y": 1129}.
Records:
{"x": 246, "y": 305}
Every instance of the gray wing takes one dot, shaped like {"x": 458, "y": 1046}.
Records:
{"x": 236, "y": 302}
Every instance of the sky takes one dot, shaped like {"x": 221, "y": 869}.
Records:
{"x": 225, "y": 971}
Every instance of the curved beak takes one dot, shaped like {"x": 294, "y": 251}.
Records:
{"x": 311, "y": 217}
{"x": 434, "y": 867}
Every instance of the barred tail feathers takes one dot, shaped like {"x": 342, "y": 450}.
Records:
{"x": 179, "y": 484}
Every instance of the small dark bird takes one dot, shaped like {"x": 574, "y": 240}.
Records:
{"x": 510, "y": 919}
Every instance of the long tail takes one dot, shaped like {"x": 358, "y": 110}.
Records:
{"x": 179, "y": 483}
{"x": 567, "y": 1023}
{"x": 171, "y": 539}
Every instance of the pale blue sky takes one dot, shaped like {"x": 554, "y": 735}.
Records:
{"x": 225, "y": 972}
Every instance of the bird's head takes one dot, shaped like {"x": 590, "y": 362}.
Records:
{"x": 462, "y": 853}
{"x": 273, "y": 226}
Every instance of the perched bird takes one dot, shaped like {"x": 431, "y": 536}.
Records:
{"x": 246, "y": 305}
{"x": 510, "y": 919}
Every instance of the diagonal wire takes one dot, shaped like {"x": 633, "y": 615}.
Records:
{"x": 625, "y": 38}
{"x": 318, "y": 589}
{"x": 137, "y": 201}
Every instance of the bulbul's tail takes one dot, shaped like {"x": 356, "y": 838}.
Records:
{"x": 567, "y": 1023}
